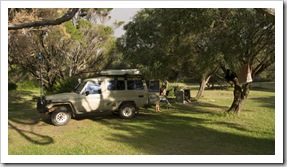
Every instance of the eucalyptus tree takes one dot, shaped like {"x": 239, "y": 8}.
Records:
{"x": 246, "y": 38}
{"x": 67, "y": 49}
{"x": 93, "y": 48}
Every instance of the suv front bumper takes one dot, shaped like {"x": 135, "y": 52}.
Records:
{"x": 41, "y": 105}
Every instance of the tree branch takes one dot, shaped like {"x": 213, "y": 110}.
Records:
{"x": 67, "y": 16}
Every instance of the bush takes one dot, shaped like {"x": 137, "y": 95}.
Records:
{"x": 12, "y": 86}
{"x": 28, "y": 85}
{"x": 65, "y": 85}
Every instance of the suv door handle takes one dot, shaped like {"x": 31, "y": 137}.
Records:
{"x": 141, "y": 95}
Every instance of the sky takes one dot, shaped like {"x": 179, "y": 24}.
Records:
{"x": 122, "y": 14}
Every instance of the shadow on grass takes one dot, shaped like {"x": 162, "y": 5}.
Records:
{"x": 268, "y": 102}
{"x": 171, "y": 134}
{"x": 96, "y": 116}
{"x": 180, "y": 132}
{"x": 263, "y": 86}
{"x": 231, "y": 125}
{"x": 21, "y": 113}
{"x": 32, "y": 137}
{"x": 200, "y": 107}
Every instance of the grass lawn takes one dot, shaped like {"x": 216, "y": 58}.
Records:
{"x": 200, "y": 128}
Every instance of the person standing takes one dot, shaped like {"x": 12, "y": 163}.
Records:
{"x": 157, "y": 105}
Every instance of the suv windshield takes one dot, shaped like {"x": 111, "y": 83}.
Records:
{"x": 93, "y": 88}
{"x": 79, "y": 87}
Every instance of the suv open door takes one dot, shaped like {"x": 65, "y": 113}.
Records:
{"x": 153, "y": 91}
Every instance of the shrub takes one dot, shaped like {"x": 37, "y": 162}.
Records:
{"x": 65, "y": 85}
{"x": 28, "y": 85}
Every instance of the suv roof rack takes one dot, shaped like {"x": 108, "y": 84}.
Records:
{"x": 123, "y": 72}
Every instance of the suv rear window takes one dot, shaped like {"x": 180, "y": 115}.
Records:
{"x": 153, "y": 86}
{"x": 135, "y": 85}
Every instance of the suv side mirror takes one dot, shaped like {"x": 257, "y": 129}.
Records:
{"x": 87, "y": 93}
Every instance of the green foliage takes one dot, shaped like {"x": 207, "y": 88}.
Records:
{"x": 117, "y": 24}
{"x": 84, "y": 24}
{"x": 75, "y": 33}
{"x": 176, "y": 43}
{"x": 66, "y": 85}
{"x": 268, "y": 75}
{"x": 105, "y": 30}
{"x": 167, "y": 42}
{"x": 28, "y": 85}
{"x": 246, "y": 37}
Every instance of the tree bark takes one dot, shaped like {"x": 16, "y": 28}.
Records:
{"x": 67, "y": 16}
{"x": 202, "y": 86}
{"x": 240, "y": 94}
{"x": 204, "y": 80}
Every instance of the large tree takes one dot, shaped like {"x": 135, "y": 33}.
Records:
{"x": 164, "y": 42}
{"x": 93, "y": 51}
{"x": 247, "y": 38}
{"x": 172, "y": 43}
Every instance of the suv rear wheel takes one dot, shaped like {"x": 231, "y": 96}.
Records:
{"x": 127, "y": 111}
{"x": 60, "y": 117}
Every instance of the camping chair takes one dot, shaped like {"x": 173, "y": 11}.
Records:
{"x": 163, "y": 98}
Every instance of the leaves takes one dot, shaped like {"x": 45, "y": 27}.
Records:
{"x": 168, "y": 41}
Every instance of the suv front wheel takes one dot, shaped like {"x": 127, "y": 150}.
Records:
{"x": 127, "y": 111}
{"x": 60, "y": 117}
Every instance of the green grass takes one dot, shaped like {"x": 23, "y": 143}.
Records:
{"x": 200, "y": 128}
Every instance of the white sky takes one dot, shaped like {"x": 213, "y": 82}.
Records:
{"x": 122, "y": 14}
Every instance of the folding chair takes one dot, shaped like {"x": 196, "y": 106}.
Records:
{"x": 164, "y": 99}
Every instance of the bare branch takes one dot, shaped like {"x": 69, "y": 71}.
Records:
{"x": 67, "y": 16}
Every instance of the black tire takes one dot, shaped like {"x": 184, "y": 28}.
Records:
{"x": 60, "y": 117}
{"x": 127, "y": 111}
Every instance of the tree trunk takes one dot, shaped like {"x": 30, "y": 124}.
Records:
{"x": 202, "y": 86}
{"x": 240, "y": 94}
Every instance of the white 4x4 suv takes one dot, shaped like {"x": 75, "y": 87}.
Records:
{"x": 119, "y": 91}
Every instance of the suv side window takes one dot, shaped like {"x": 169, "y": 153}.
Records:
{"x": 135, "y": 85}
{"x": 121, "y": 85}
{"x": 93, "y": 88}
{"x": 112, "y": 85}
{"x": 116, "y": 85}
